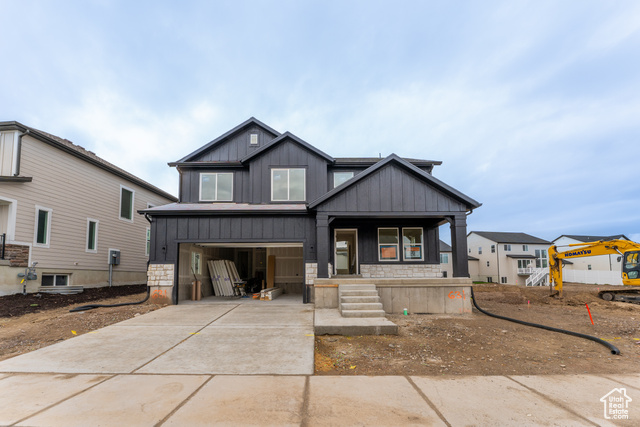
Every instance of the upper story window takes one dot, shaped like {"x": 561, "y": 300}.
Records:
{"x": 127, "y": 196}
{"x": 493, "y": 249}
{"x": 525, "y": 248}
{"x": 479, "y": 250}
{"x": 8, "y": 153}
{"x": 341, "y": 177}
{"x": 216, "y": 187}
{"x": 507, "y": 248}
{"x": 253, "y": 139}
{"x": 288, "y": 185}
{"x": 42, "y": 227}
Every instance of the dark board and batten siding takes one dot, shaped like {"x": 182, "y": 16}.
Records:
{"x": 237, "y": 146}
{"x": 287, "y": 154}
{"x": 190, "y": 184}
{"x": 168, "y": 231}
{"x": 392, "y": 189}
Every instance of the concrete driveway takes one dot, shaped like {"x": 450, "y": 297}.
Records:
{"x": 238, "y": 339}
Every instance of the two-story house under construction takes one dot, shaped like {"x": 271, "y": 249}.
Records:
{"x": 286, "y": 212}
{"x": 68, "y": 211}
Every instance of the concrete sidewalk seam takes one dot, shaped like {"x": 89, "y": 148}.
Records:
{"x": 553, "y": 402}
{"x": 621, "y": 382}
{"x": 304, "y": 411}
{"x": 429, "y": 402}
{"x": 67, "y": 398}
{"x": 190, "y": 336}
{"x": 184, "y": 402}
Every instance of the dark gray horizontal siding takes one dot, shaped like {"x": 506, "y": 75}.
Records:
{"x": 392, "y": 189}
{"x": 236, "y": 147}
{"x": 287, "y": 154}
{"x": 167, "y": 232}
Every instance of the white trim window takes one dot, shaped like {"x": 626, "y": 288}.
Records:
{"x": 147, "y": 249}
{"x": 127, "y": 199}
{"x": 42, "y": 229}
{"x": 412, "y": 244}
{"x": 507, "y": 248}
{"x": 8, "y": 217}
{"x": 216, "y": 187}
{"x": 55, "y": 280}
{"x": 288, "y": 185}
{"x": 340, "y": 178}
{"x": 92, "y": 236}
{"x": 8, "y": 153}
{"x": 388, "y": 244}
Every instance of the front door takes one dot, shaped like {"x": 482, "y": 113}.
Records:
{"x": 346, "y": 251}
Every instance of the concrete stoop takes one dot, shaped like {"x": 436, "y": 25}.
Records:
{"x": 359, "y": 313}
{"x": 359, "y": 301}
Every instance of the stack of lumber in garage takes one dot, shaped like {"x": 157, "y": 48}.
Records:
{"x": 270, "y": 294}
{"x": 224, "y": 276}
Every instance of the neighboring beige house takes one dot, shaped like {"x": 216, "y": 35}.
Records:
{"x": 65, "y": 209}
{"x": 508, "y": 258}
{"x": 600, "y": 262}
{"x": 446, "y": 266}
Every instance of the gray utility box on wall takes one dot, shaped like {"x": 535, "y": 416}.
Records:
{"x": 114, "y": 257}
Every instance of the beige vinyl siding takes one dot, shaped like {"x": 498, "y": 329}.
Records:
{"x": 76, "y": 190}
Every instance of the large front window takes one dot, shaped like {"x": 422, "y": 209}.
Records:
{"x": 216, "y": 187}
{"x": 388, "y": 244}
{"x": 412, "y": 241}
{"x": 287, "y": 185}
{"x": 541, "y": 258}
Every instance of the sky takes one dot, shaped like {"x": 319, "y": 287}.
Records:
{"x": 532, "y": 106}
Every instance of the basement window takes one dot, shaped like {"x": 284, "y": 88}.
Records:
{"x": 55, "y": 280}
{"x": 503, "y": 280}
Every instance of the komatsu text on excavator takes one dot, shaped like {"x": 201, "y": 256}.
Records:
{"x": 628, "y": 250}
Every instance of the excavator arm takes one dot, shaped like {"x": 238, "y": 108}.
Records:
{"x": 601, "y": 247}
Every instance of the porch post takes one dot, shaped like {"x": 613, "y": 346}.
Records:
{"x": 322, "y": 245}
{"x": 459, "y": 246}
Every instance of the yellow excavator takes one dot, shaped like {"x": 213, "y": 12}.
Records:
{"x": 628, "y": 250}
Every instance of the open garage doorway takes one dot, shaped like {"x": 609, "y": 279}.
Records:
{"x": 259, "y": 265}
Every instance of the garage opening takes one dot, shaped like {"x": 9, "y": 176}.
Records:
{"x": 259, "y": 265}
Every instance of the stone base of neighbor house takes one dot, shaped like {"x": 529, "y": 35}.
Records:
{"x": 428, "y": 295}
{"x": 160, "y": 279}
{"x": 10, "y": 282}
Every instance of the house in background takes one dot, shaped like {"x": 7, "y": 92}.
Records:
{"x": 65, "y": 209}
{"x": 446, "y": 265}
{"x": 288, "y": 213}
{"x": 508, "y": 258}
{"x": 601, "y": 269}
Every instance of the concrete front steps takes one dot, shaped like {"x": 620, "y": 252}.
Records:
{"x": 359, "y": 313}
{"x": 359, "y": 301}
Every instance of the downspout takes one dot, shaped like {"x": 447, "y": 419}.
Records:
{"x": 19, "y": 153}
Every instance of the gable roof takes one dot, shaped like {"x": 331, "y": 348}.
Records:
{"x": 287, "y": 136}
{"x": 444, "y": 247}
{"x": 509, "y": 237}
{"x": 590, "y": 239}
{"x": 393, "y": 158}
{"x": 250, "y": 122}
{"x": 84, "y": 154}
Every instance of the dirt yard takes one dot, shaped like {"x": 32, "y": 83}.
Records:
{"x": 476, "y": 344}
{"x": 29, "y": 322}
